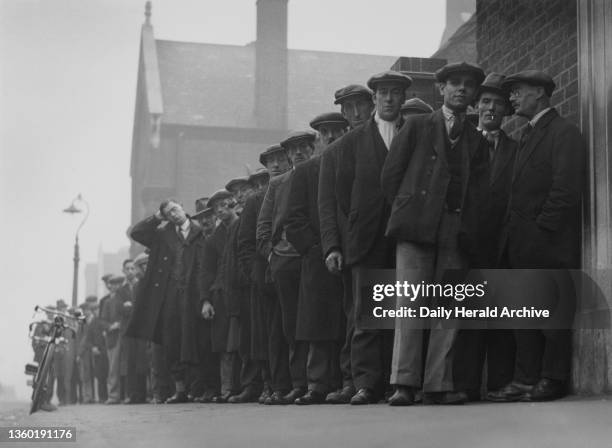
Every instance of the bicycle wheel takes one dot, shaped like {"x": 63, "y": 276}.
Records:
{"x": 40, "y": 381}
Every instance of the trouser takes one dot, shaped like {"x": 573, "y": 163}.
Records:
{"x": 418, "y": 263}
{"x": 287, "y": 283}
{"x": 207, "y": 379}
{"x": 320, "y": 365}
{"x": 114, "y": 377}
{"x": 543, "y": 354}
{"x": 100, "y": 369}
{"x": 86, "y": 375}
{"x": 345, "y": 350}
{"x": 278, "y": 349}
{"x": 160, "y": 374}
{"x": 230, "y": 372}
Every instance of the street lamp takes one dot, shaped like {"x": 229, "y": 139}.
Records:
{"x": 78, "y": 205}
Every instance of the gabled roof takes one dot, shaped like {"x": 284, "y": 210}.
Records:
{"x": 461, "y": 46}
{"x": 214, "y": 85}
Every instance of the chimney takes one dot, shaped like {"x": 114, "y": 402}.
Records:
{"x": 271, "y": 64}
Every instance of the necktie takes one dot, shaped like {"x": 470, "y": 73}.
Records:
{"x": 491, "y": 140}
{"x": 456, "y": 126}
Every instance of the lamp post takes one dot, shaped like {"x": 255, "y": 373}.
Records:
{"x": 78, "y": 205}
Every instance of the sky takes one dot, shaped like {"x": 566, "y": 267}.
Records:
{"x": 67, "y": 83}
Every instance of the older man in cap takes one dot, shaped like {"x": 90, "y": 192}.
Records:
{"x": 361, "y": 243}
{"x": 414, "y": 106}
{"x": 319, "y": 313}
{"x": 329, "y": 127}
{"x": 171, "y": 288}
{"x": 436, "y": 178}
{"x": 285, "y": 261}
{"x": 205, "y": 216}
{"x": 268, "y": 344}
{"x": 356, "y": 106}
{"x": 541, "y": 236}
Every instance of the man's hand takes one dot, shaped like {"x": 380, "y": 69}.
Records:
{"x": 334, "y": 262}
{"x": 159, "y": 215}
{"x": 114, "y": 326}
{"x": 208, "y": 312}
{"x": 127, "y": 304}
{"x": 95, "y": 351}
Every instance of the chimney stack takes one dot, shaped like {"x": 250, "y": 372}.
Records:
{"x": 271, "y": 64}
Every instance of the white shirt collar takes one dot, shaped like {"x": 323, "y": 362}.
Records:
{"x": 537, "y": 116}
{"x": 387, "y": 129}
{"x": 185, "y": 226}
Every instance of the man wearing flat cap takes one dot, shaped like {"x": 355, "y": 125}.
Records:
{"x": 285, "y": 261}
{"x": 357, "y": 107}
{"x": 319, "y": 311}
{"x": 329, "y": 127}
{"x": 436, "y": 180}
{"x": 205, "y": 216}
{"x": 268, "y": 345}
{"x": 361, "y": 244}
{"x": 542, "y": 234}
{"x": 168, "y": 315}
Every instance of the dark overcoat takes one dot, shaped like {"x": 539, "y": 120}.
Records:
{"x": 415, "y": 180}
{"x": 253, "y": 266}
{"x": 319, "y": 313}
{"x": 134, "y": 357}
{"x": 542, "y": 228}
{"x": 157, "y": 286}
{"x": 361, "y": 155}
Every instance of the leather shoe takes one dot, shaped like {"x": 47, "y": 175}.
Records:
{"x": 341, "y": 396}
{"x": 265, "y": 394}
{"x": 452, "y": 398}
{"x": 179, "y": 397}
{"x": 364, "y": 396}
{"x": 311, "y": 397}
{"x": 546, "y": 390}
{"x": 513, "y": 391}
{"x": 276, "y": 398}
{"x": 48, "y": 407}
{"x": 206, "y": 397}
{"x": 294, "y": 394}
{"x": 246, "y": 396}
{"x": 109, "y": 401}
{"x": 403, "y": 396}
{"x": 222, "y": 398}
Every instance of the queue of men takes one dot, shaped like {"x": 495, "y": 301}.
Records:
{"x": 254, "y": 298}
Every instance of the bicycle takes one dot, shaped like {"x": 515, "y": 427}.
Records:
{"x": 61, "y": 322}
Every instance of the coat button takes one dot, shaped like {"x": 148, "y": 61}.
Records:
{"x": 423, "y": 192}
{"x": 156, "y": 285}
{"x": 434, "y": 157}
{"x": 165, "y": 258}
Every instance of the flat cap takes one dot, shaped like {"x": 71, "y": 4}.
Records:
{"x": 270, "y": 150}
{"x": 201, "y": 209}
{"x": 298, "y": 136}
{"x": 91, "y": 299}
{"x": 350, "y": 91}
{"x": 261, "y": 173}
{"x": 141, "y": 258}
{"x": 116, "y": 279}
{"x": 106, "y": 277}
{"x": 533, "y": 78}
{"x": 416, "y": 105}
{"x": 236, "y": 182}
{"x": 494, "y": 83}
{"x": 390, "y": 76}
{"x": 460, "y": 67}
{"x": 218, "y": 196}
{"x": 329, "y": 118}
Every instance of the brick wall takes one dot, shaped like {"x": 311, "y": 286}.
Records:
{"x": 516, "y": 35}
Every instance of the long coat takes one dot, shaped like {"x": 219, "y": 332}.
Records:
{"x": 415, "y": 180}
{"x": 319, "y": 314}
{"x": 360, "y": 156}
{"x": 253, "y": 266}
{"x": 543, "y": 225}
{"x": 134, "y": 357}
{"x": 147, "y": 320}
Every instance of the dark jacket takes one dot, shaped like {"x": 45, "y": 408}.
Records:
{"x": 360, "y": 156}
{"x": 543, "y": 224}
{"x": 162, "y": 242}
{"x": 319, "y": 314}
{"x": 415, "y": 179}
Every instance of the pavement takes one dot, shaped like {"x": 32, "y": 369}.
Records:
{"x": 572, "y": 422}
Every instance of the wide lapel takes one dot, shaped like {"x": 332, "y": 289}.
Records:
{"x": 471, "y": 140}
{"x": 503, "y": 156}
{"x": 437, "y": 134}
{"x": 536, "y": 135}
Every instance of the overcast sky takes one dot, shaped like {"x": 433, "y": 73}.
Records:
{"x": 67, "y": 78}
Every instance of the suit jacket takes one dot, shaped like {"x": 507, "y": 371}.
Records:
{"x": 416, "y": 176}
{"x": 543, "y": 223}
{"x": 252, "y": 264}
{"x": 360, "y": 156}
{"x": 162, "y": 242}
{"x": 271, "y": 220}
{"x": 320, "y": 300}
